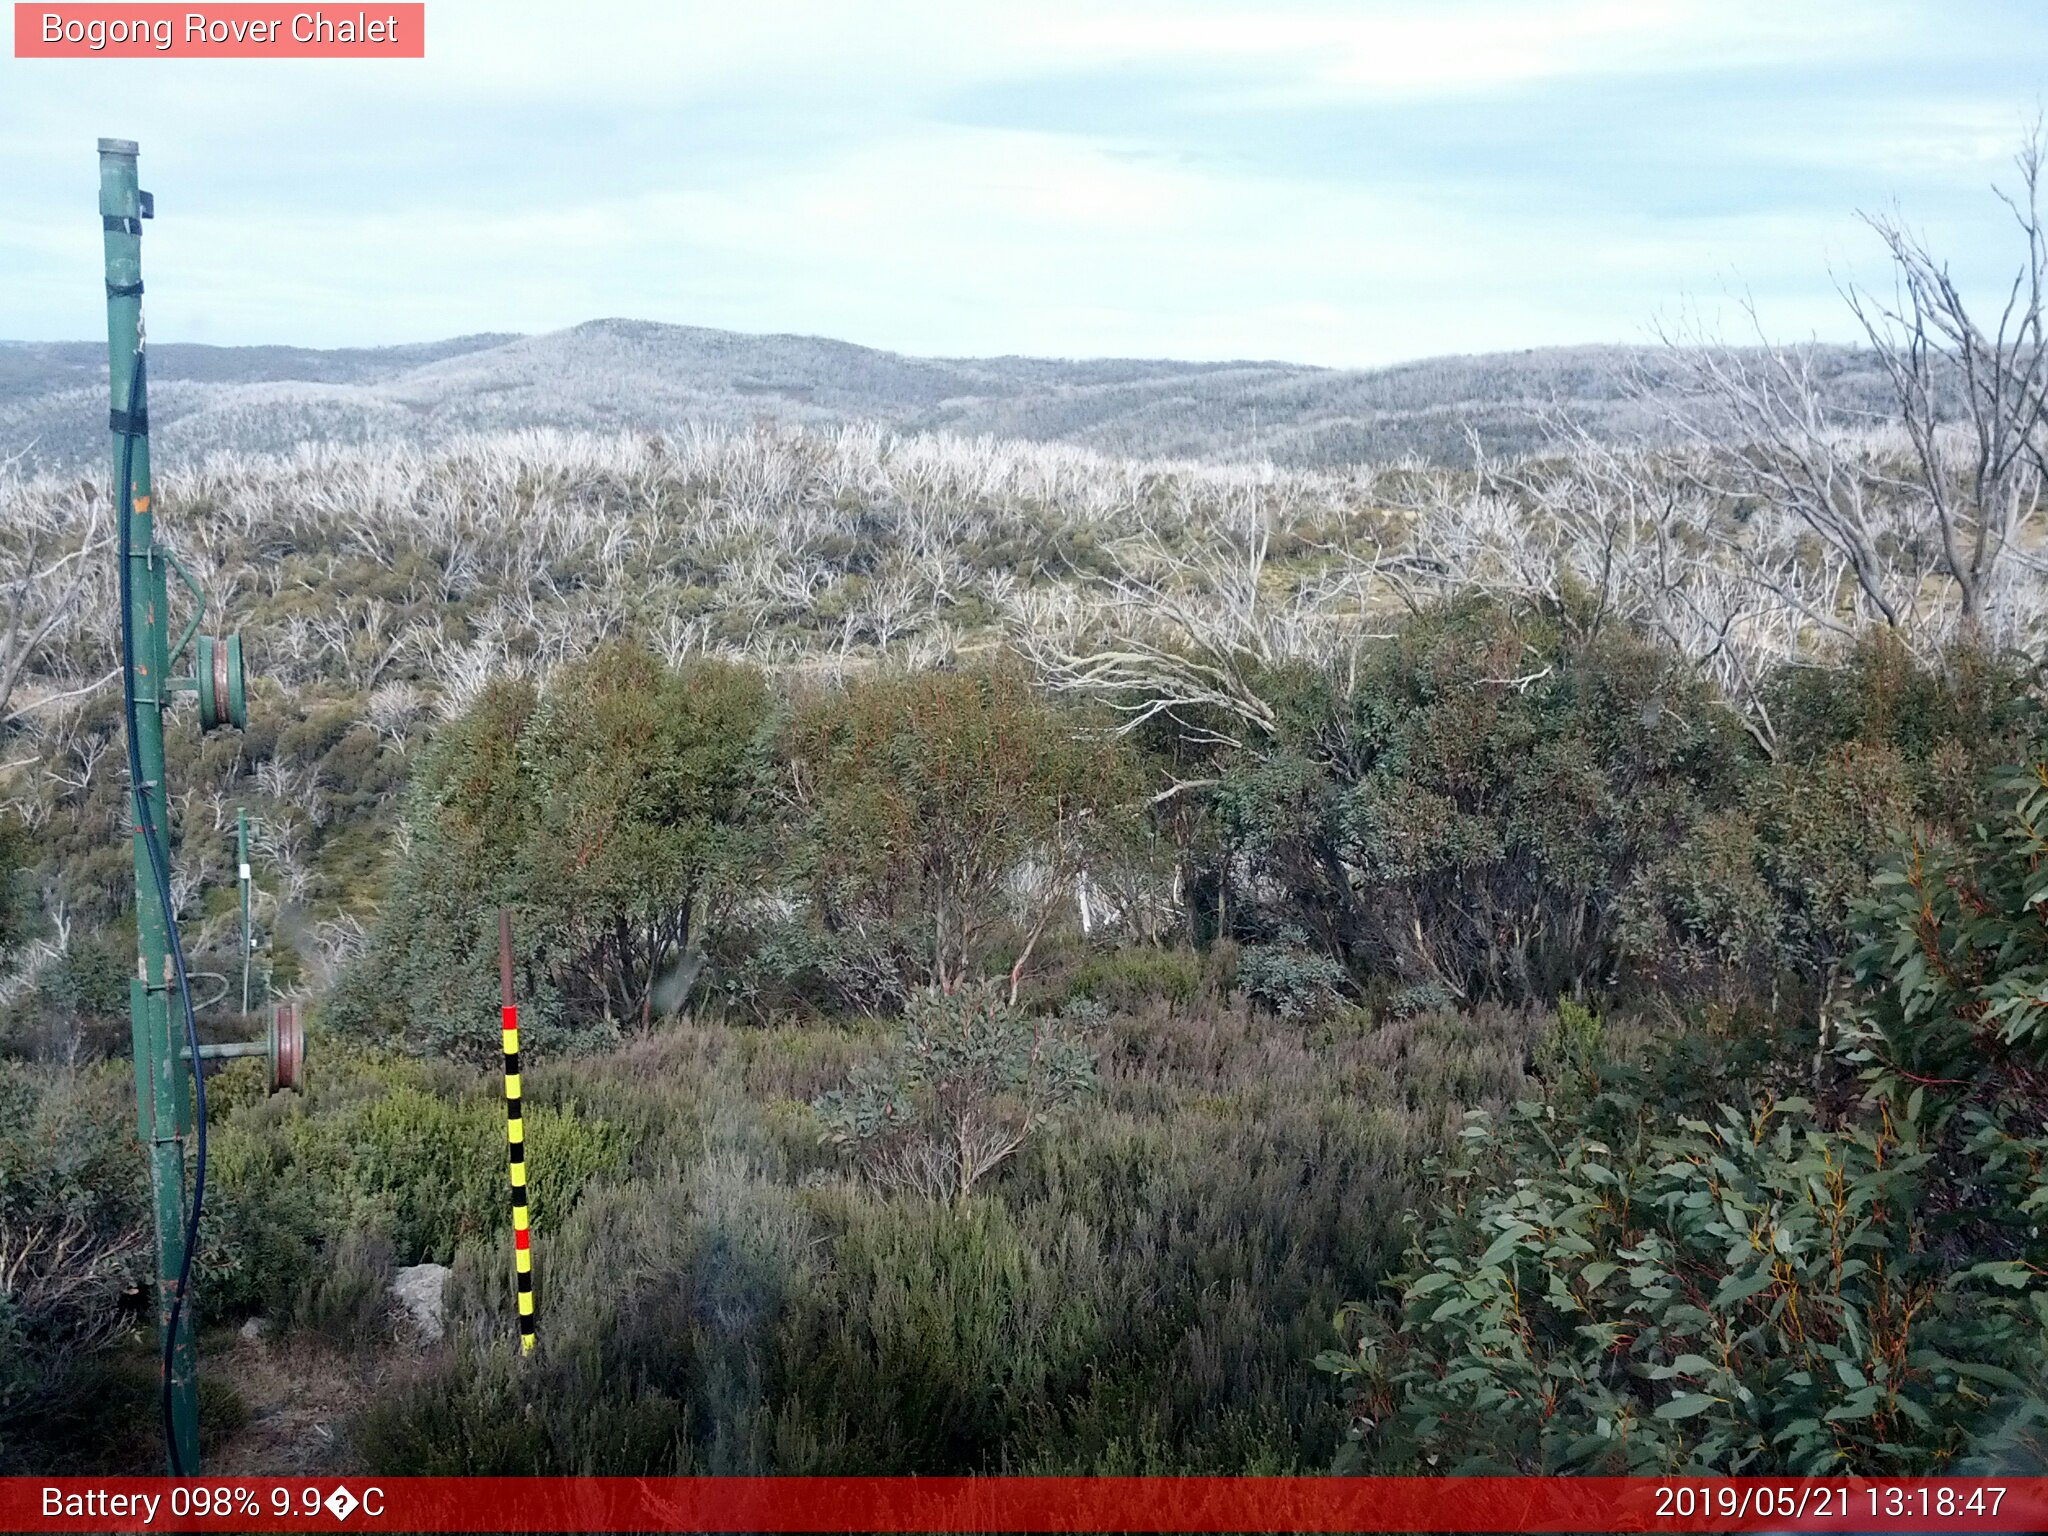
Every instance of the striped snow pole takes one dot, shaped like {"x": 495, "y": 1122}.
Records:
{"x": 515, "y": 1135}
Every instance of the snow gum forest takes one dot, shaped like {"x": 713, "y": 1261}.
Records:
{"x": 1068, "y": 918}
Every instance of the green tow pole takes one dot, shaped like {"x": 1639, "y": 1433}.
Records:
{"x": 170, "y": 1100}
{"x": 163, "y": 1084}
{"x": 165, "y": 1030}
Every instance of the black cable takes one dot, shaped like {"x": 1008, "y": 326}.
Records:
{"x": 159, "y": 863}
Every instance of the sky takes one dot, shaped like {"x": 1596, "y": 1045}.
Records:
{"x": 1348, "y": 184}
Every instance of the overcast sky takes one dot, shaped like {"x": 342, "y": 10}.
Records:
{"x": 1346, "y": 183}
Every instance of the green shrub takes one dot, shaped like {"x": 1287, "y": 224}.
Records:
{"x": 918, "y": 798}
{"x": 1132, "y": 979}
{"x": 1952, "y": 720}
{"x": 941, "y": 1336}
{"x": 1406, "y": 999}
{"x": 1761, "y": 892}
{"x": 428, "y": 975}
{"x": 783, "y": 962}
{"x": 16, "y": 906}
{"x": 380, "y": 1159}
{"x": 1573, "y": 1048}
{"x": 641, "y": 778}
{"x": 971, "y": 1081}
{"x": 1144, "y": 1297}
{"x": 78, "y": 1008}
{"x": 1294, "y": 983}
{"x": 1955, "y": 959}
{"x": 345, "y": 1300}
{"x": 611, "y": 812}
{"x": 1468, "y": 808}
{"x": 268, "y": 1220}
{"x": 437, "y": 1165}
{"x": 1759, "y": 1294}
{"x": 1619, "y": 1285}
{"x": 74, "y": 1238}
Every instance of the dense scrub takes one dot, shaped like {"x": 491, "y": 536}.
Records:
{"x": 798, "y": 950}
{"x": 1490, "y": 805}
{"x": 1136, "y": 1294}
{"x": 1787, "y": 1263}
{"x": 74, "y": 1240}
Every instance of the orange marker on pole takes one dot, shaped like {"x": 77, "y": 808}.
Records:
{"x": 515, "y": 1136}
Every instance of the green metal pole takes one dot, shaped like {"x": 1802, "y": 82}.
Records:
{"x": 162, "y": 1075}
{"x": 242, "y": 865}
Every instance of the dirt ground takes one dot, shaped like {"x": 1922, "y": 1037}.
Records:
{"x": 292, "y": 1401}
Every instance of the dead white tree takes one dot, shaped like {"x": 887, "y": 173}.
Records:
{"x": 1925, "y": 516}
{"x": 1973, "y": 399}
{"x": 395, "y": 709}
{"x": 1605, "y": 533}
{"x": 1188, "y": 632}
{"x": 1765, "y": 436}
{"x": 85, "y": 754}
{"x": 42, "y": 587}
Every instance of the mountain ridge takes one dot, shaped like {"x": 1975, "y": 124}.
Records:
{"x": 617, "y": 373}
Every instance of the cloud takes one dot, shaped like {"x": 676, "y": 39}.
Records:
{"x": 1330, "y": 182}
{"x": 1472, "y": 46}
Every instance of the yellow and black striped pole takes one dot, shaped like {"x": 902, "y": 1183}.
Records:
{"x": 515, "y": 1136}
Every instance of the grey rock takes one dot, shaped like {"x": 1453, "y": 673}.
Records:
{"x": 421, "y": 1291}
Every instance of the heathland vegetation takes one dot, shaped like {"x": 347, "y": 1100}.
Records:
{"x": 1050, "y": 962}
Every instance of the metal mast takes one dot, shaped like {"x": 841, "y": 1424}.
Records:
{"x": 166, "y": 1032}
{"x": 163, "y": 1084}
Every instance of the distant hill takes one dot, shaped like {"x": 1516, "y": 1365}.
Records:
{"x": 636, "y": 374}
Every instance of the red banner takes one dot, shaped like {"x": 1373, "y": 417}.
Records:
{"x": 376, "y": 31}
{"x": 1107, "y": 1504}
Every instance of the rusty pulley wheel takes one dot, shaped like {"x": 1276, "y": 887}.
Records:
{"x": 287, "y": 1047}
{"x": 221, "y": 683}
